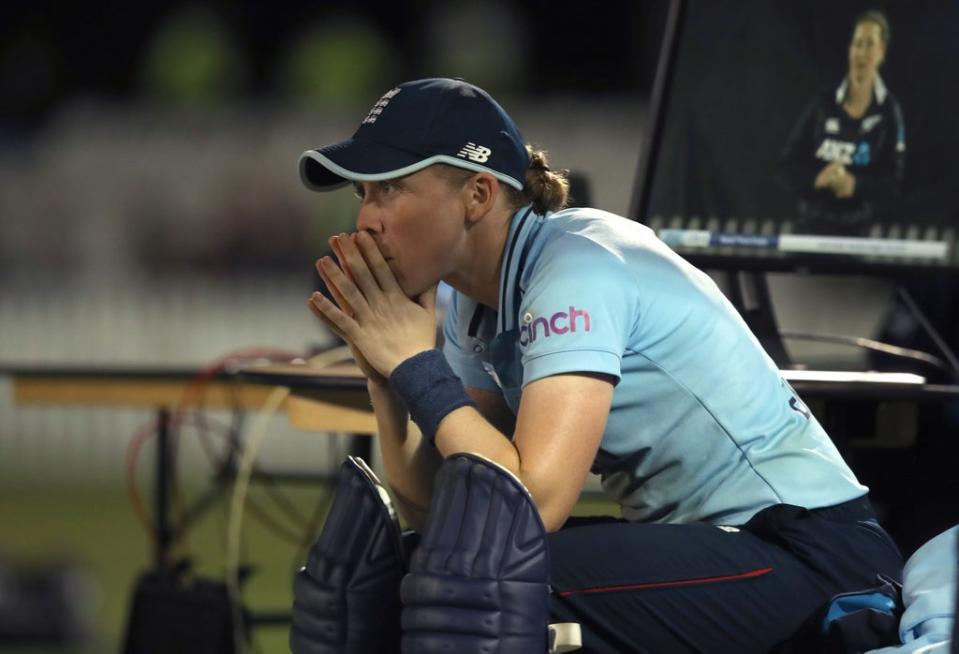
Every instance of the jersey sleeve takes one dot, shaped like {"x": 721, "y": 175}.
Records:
{"x": 577, "y": 312}
{"x": 797, "y": 166}
{"x": 883, "y": 183}
{"x": 468, "y": 363}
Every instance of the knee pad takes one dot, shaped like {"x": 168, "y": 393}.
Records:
{"x": 346, "y": 598}
{"x": 479, "y": 580}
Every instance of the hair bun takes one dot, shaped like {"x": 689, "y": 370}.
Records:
{"x": 545, "y": 189}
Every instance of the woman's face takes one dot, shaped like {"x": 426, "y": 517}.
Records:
{"x": 866, "y": 52}
{"x": 418, "y": 221}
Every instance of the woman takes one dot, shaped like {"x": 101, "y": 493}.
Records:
{"x": 846, "y": 155}
{"x": 576, "y": 340}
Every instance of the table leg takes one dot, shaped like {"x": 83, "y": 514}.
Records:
{"x": 163, "y": 482}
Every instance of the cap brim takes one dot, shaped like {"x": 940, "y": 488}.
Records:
{"x": 333, "y": 166}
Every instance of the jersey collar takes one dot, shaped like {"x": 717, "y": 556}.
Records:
{"x": 522, "y": 227}
{"x": 878, "y": 88}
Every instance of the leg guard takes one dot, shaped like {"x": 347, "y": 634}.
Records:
{"x": 479, "y": 581}
{"x": 346, "y": 599}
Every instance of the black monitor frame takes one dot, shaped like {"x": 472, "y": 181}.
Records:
{"x": 662, "y": 84}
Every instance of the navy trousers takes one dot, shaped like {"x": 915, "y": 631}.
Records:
{"x": 702, "y": 588}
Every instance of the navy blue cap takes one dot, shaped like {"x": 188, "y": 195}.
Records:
{"x": 418, "y": 124}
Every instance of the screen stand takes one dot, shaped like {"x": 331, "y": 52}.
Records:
{"x": 749, "y": 293}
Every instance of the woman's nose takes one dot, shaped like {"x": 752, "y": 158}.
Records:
{"x": 367, "y": 219}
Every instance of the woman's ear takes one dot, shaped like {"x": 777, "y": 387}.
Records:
{"x": 481, "y": 192}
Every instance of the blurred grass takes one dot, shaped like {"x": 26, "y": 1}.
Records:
{"x": 93, "y": 527}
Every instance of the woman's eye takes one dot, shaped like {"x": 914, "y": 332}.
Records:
{"x": 358, "y": 191}
{"x": 387, "y": 187}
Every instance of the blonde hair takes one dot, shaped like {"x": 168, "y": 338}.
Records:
{"x": 545, "y": 189}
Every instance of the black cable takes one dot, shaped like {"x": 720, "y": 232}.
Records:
{"x": 286, "y": 533}
{"x": 278, "y": 530}
{"x": 871, "y": 344}
{"x": 931, "y": 331}
{"x": 279, "y": 498}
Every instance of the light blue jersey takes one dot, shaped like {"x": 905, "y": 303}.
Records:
{"x": 703, "y": 427}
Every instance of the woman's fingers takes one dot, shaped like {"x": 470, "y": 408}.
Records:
{"x": 377, "y": 263}
{"x": 355, "y": 265}
{"x": 337, "y": 296}
{"x": 338, "y": 251}
{"x": 326, "y": 321}
{"x": 344, "y": 325}
{"x": 336, "y": 278}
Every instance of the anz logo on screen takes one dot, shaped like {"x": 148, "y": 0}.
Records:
{"x": 844, "y": 152}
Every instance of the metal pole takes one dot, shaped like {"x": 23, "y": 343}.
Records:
{"x": 164, "y": 530}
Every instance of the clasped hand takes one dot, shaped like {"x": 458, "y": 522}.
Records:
{"x": 837, "y": 179}
{"x": 371, "y": 312}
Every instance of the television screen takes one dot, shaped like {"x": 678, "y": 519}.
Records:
{"x": 807, "y": 133}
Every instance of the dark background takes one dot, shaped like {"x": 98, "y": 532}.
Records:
{"x": 51, "y": 51}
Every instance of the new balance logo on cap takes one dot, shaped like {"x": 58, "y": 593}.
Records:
{"x": 474, "y": 152}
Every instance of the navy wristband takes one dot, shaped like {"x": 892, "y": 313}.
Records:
{"x": 430, "y": 389}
